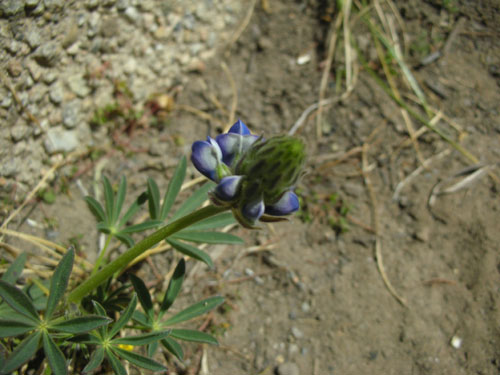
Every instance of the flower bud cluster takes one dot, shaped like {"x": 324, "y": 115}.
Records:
{"x": 255, "y": 176}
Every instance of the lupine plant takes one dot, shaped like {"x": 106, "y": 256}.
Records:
{"x": 105, "y": 320}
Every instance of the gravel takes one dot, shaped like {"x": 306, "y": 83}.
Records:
{"x": 63, "y": 58}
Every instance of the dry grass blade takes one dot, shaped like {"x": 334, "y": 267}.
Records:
{"x": 326, "y": 71}
{"x": 199, "y": 113}
{"x": 416, "y": 172}
{"x": 378, "y": 246}
{"x": 472, "y": 175}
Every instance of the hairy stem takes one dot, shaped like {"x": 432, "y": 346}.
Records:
{"x": 123, "y": 260}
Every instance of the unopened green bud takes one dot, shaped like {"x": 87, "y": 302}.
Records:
{"x": 271, "y": 167}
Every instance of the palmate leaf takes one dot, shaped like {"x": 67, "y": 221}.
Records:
{"x": 54, "y": 355}
{"x": 174, "y": 286}
{"x": 22, "y": 354}
{"x": 81, "y": 324}
{"x": 191, "y": 251}
{"x": 139, "y": 360}
{"x": 194, "y": 201}
{"x": 173, "y": 188}
{"x": 193, "y": 335}
{"x": 18, "y": 301}
{"x": 15, "y": 269}
{"x": 59, "y": 281}
{"x": 208, "y": 237}
{"x": 195, "y": 310}
{"x": 173, "y": 347}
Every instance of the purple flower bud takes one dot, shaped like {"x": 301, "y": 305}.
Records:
{"x": 252, "y": 211}
{"x": 233, "y": 146}
{"x": 228, "y": 187}
{"x": 206, "y": 157}
{"x": 287, "y": 204}
{"x": 239, "y": 128}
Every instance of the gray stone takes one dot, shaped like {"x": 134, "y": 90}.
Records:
{"x": 53, "y": 5}
{"x": 297, "y": 333}
{"x": 20, "y": 148}
{"x": 6, "y": 101}
{"x": 60, "y": 140}
{"x": 110, "y": 27}
{"x": 40, "y": 8}
{"x": 121, "y": 5}
{"x": 14, "y": 68}
{"x": 10, "y": 167}
{"x": 78, "y": 85}
{"x": 19, "y": 131}
{"x": 11, "y": 7}
{"x": 56, "y": 93}
{"x": 31, "y": 3}
{"x": 13, "y": 46}
{"x": 92, "y": 4}
{"x": 306, "y": 307}
{"x": 71, "y": 35}
{"x": 35, "y": 70}
{"x": 93, "y": 23}
{"x": 49, "y": 77}
{"x": 288, "y": 368}
{"x": 37, "y": 93}
{"x": 47, "y": 54}
{"x": 74, "y": 49}
{"x": 71, "y": 114}
{"x": 33, "y": 38}
{"x": 132, "y": 14}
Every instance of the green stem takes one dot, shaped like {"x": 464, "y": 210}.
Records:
{"x": 123, "y": 260}
{"x": 101, "y": 255}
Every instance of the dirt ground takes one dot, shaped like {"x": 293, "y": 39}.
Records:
{"x": 312, "y": 298}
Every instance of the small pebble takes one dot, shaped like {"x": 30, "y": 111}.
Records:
{"x": 297, "y": 333}
{"x": 60, "y": 140}
{"x": 456, "y": 342}
{"x": 56, "y": 93}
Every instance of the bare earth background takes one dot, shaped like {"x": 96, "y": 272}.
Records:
{"x": 306, "y": 296}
